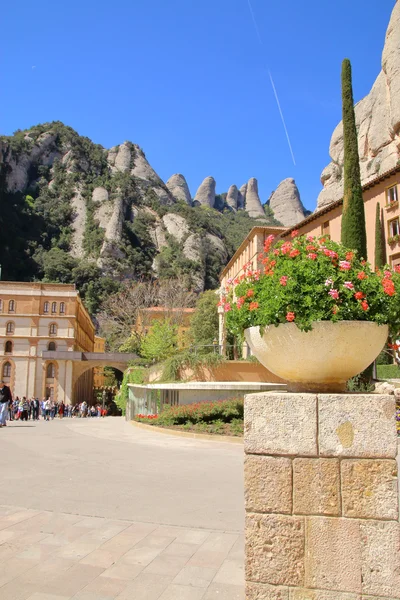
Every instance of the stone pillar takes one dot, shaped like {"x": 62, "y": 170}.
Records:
{"x": 322, "y": 517}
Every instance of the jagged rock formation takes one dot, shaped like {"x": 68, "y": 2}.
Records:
{"x": 378, "y": 123}
{"x": 253, "y": 204}
{"x": 242, "y": 196}
{"x": 75, "y": 211}
{"x": 286, "y": 204}
{"x": 232, "y": 197}
{"x": 205, "y": 195}
{"x": 179, "y": 188}
{"x": 176, "y": 226}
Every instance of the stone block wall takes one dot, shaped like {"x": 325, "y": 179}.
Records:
{"x": 321, "y": 493}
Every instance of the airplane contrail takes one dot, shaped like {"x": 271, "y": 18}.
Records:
{"x": 283, "y": 120}
{"x": 272, "y": 81}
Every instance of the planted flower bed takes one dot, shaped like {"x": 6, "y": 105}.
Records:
{"x": 224, "y": 417}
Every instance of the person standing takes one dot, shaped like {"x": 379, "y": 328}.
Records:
{"x": 5, "y": 398}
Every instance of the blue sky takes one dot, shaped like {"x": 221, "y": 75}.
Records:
{"x": 187, "y": 80}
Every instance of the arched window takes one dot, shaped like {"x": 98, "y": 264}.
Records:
{"x": 1, "y": 305}
{"x": 53, "y": 329}
{"x": 46, "y": 307}
{"x": 62, "y": 308}
{"x": 7, "y": 370}
{"x": 8, "y": 347}
{"x": 50, "y": 371}
{"x": 51, "y": 346}
{"x": 11, "y": 306}
{"x": 53, "y": 307}
{"x": 10, "y": 327}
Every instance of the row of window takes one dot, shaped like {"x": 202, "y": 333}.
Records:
{"x": 50, "y": 371}
{"x": 46, "y": 307}
{"x": 8, "y": 347}
{"x": 10, "y": 328}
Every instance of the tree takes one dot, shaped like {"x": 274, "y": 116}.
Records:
{"x": 204, "y": 323}
{"x": 379, "y": 248}
{"x": 161, "y": 341}
{"x": 120, "y": 311}
{"x": 353, "y": 234}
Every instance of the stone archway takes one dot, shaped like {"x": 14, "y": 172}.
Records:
{"x": 82, "y": 382}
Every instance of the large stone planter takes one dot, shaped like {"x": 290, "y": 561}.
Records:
{"x": 322, "y": 359}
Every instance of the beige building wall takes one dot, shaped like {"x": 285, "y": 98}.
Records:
{"x": 35, "y": 317}
{"x": 329, "y": 220}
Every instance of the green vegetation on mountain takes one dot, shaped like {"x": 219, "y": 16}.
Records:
{"x": 54, "y": 227}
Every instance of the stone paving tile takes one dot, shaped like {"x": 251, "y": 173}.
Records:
{"x": 11, "y": 568}
{"x": 50, "y": 556}
{"x": 78, "y": 549}
{"x": 195, "y": 576}
{"x": 123, "y": 571}
{"x": 110, "y": 587}
{"x": 40, "y": 596}
{"x": 178, "y": 549}
{"x": 47, "y": 570}
{"x": 166, "y": 565}
{"x": 231, "y": 572}
{"x": 207, "y": 558}
{"x": 220, "y": 542}
{"x": 219, "y": 591}
{"x": 17, "y": 517}
{"x": 181, "y": 592}
{"x": 17, "y": 590}
{"x": 146, "y": 586}
{"x": 71, "y": 581}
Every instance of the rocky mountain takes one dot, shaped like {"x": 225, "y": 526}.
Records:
{"x": 378, "y": 123}
{"x": 72, "y": 210}
{"x": 286, "y": 204}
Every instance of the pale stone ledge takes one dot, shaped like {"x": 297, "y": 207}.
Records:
{"x": 281, "y": 424}
{"x": 357, "y": 426}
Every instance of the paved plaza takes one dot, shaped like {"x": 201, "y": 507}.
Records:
{"x": 96, "y": 509}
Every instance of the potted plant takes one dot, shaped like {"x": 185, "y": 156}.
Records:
{"x": 314, "y": 313}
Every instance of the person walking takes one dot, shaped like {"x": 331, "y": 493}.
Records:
{"x": 5, "y": 399}
{"x": 47, "y": 409}
{"x": 24, "y": 409}
{"x": 61, "y": 409}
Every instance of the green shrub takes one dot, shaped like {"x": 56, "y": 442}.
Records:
{"x": 202, "y": 412}
{"x": 388, "y": 372}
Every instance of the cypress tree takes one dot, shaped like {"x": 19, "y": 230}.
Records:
{"x": 379, "y": 251}
{"x": 353, "y": 234}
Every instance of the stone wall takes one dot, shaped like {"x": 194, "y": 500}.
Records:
{"x": 321, "y": 493}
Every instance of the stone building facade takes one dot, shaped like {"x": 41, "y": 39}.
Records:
{"x": 37, "y": 318}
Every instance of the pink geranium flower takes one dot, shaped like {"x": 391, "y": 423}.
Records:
{"x": 348, "y": 285}
{"x": 334, "y": 294}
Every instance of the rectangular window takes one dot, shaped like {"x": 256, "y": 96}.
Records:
{"x": 394, "y": 228}
{"x": 325, "y": 228}
{"x": 391, "y": 195}
{"x": 395, "y": 260}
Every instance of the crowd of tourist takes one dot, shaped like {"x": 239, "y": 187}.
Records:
{"x": 33, "y": 409}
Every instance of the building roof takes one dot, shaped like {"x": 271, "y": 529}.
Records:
{"x": 166, "y": 309}
{"x": 323, "y": 211}
{"x": 37, "y": 285}
{"x": 252, "y": 232}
